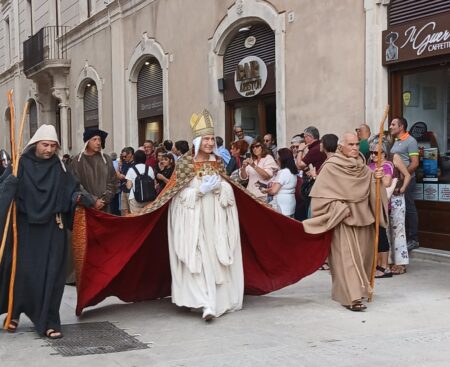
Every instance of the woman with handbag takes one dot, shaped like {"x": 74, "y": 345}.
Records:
{"x": 283, "y": 186}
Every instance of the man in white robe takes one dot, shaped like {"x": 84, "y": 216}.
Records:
{"x": 203, "y": 233}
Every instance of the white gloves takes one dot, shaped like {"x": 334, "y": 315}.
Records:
{"x": 209, "y": 183}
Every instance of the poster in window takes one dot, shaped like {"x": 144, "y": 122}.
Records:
{"x": 444, "y": 192}
{"x": 418, "y": 192}
{"x": 429, "y": 98}
{"x": 430, "y": 192}
{"x": 411, "y": 96}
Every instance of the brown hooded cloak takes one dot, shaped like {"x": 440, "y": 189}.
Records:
{"x": 343, "y": 198}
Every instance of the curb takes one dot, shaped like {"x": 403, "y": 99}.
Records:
{"x": 439, "y": 256}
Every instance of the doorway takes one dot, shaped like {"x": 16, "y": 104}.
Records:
{"x": 257, "y": 117}
{"x": 151, "y": 128}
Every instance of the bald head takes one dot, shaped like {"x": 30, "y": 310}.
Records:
{"x": 363, "y": 132}
{"x": 349, "y": 145}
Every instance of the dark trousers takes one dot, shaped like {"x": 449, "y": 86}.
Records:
{"x": 411, "y": 218}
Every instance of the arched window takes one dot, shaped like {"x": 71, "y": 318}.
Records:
{"x": 90, "y": 98}
{"x": 32, "y": 117}
{"x": 150, "y": 101}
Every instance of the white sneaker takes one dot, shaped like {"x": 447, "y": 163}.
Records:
{"x": 208, "y": 315}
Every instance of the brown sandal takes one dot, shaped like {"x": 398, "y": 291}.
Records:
{"x": 357, "y": 306}
{"x": 398, "y": 269}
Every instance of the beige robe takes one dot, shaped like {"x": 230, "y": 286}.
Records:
{"x": 343, "y": 198}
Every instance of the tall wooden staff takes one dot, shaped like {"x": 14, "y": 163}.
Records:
{"x": 13, "y": 208}
{"x": 12, "y": 131}
{"x": 377, "y": 202}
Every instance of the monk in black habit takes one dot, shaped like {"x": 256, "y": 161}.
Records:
{"x": 45, "y": 195}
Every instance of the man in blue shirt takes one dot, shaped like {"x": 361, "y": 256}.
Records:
{"x": 223, "y": 152}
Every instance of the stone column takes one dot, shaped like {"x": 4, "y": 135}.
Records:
{"x": 62, "y": 95}
{"x": 376, "y": 78}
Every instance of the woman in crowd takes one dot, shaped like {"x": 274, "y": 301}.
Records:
{"x": 382, "y": 270}
{"x": 164, "y": 170}
{"x": 258, "y": 169}
{"x": 238, "y": 149}
{"x": 139, "y": 164}
{"x": 396, "y": 232}
{"x": 283, "y": 186}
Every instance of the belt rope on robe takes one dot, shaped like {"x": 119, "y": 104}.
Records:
{"x": 15, "y": 157}
{"x": 377, "y": 202}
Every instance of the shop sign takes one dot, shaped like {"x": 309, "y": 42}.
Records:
{"x": 150, "y": 106}
{"x": 418, "y": 39}
{"x": 250, "y": 76}
{"x": 418, "y": 130}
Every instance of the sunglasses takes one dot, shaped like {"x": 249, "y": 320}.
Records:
{"x": 374, "y": 152}
{"x": 256, "y": 146}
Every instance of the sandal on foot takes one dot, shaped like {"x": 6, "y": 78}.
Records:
{"x": 384, "y": 273}
{"x": 12, "y": 326}
{"x": 357, "y": 307}
{"x": 53, "y": 334}
{"x": 398, "y": 269}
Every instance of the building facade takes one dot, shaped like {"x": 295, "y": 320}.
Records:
{"x": 138, "y": 69}
{"x": 408, "y": 66}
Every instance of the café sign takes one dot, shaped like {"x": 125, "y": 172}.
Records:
{"x": 250, "y": 76}
{"x": 418, "y": 39}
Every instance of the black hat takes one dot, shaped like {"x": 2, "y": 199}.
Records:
{"x": 391, "y": 37}
{"x": 89, "y": 133}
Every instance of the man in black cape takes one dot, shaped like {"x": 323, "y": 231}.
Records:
{"x": 45, "y": 195}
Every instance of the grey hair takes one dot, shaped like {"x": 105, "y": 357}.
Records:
{"x": 342, "y": 139}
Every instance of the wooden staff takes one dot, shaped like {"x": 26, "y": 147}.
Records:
{"x": 377, "y": 202}
{"x": 12, "y": 129}
{"x": 14, "y": 215}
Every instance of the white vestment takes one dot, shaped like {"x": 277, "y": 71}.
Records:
{"x": 205, "y": 249}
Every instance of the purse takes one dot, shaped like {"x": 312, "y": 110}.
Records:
{"x": 390, "y": 189}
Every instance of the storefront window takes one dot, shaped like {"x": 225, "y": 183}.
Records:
{"x": 246, "y": 116}
{"x": 426, "y": 105}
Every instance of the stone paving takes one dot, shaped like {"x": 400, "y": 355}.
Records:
{"x": 408, "y": 324}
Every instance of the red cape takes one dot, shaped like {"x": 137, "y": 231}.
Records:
{"x": 128, "y": 257}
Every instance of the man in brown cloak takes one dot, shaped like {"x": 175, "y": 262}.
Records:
{"x": 343, "y": 198}
{"x": 95, "y": 169}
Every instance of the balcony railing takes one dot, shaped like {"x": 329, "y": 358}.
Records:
{"x": 49, "y": 44}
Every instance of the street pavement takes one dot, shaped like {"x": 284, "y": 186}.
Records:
{"x": 407, "y": 324}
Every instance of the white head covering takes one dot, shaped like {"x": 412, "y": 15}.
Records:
{"x": 197, "y": 141}
{"x": 46, "y": 132}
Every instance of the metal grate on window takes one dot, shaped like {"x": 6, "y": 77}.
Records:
{"x": 150, "y": 79}
{"x": 91, "y": 118}
{"x": 91, "y": 97}
{"x": 401, "y": 11}
{"x": 264, "y": 47}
